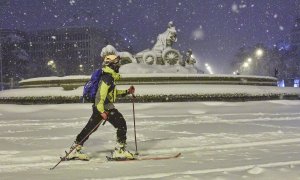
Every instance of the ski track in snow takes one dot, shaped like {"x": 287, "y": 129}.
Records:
{"x": 206, "y": 132}
{"x": 225, "y": 146}
{"x": 205, "y": 171}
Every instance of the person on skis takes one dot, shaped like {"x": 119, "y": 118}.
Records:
{"x": 103, "y": 108}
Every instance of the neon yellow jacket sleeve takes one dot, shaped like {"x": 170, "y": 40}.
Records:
{"x": 122, "y": 92}
{"x": 102, "y": 90}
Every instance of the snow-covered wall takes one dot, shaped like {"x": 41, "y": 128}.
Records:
{"x": 157, "y": 93}
{"x": 71, "y": 82}
{"x": 154, "y": 86}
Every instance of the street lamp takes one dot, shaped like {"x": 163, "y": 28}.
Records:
{"x": 259, "y": 52}
{"x": 208, "y": 68}
{"x": 236, "y": 72}
{"x": 246, "y": 64}
{"x": 81, "y": 67}
{"x": 52, "y": 65}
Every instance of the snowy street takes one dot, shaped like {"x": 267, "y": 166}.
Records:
{"x": 216, "y": 87}
{"x": 218, "y": 140}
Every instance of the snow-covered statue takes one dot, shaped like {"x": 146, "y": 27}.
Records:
{"x": 126, "y": 57}
{"x": 162, "y": 51}
{"x": 166, "y": 39}
{"x": 189, "y": 58}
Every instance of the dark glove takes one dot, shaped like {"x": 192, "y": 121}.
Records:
{"x": 104, "y": 115}
{"x": 131, "y": 90}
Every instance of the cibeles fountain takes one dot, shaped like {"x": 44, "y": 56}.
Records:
{"x": 162, "y": 58}
{"x": 160, "y": 73}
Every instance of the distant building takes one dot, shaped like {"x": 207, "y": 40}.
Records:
{"x": 293, "y": 46}
{"x": 295, "y": 34}
{"x": 295, "y": 41}
{"x": 69, "y": 51}
{"x": 13, "y": 56}
{"x": 6, "y": 32}
{"x": 14, "y": 34}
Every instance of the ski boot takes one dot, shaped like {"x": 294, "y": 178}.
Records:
{"x": 120, "y": 152}
{"x": 77, "y": 154}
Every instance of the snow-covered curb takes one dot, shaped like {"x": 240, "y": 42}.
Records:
{"x": 158, "y": 93}
{"x": 71, "y": 82}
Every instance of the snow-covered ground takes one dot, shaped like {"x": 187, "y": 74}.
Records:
{"x": 218, "y": 141}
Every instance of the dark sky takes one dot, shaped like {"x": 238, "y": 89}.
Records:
{"x": 214, "y": 29}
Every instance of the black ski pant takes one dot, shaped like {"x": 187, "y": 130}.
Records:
{"x": 114, "y": 117}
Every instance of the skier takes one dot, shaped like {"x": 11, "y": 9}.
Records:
{"x": 103, "y": 108}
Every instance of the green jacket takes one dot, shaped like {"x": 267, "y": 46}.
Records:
{"x": 107, "y": 92}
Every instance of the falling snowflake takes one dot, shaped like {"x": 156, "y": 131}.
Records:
{"x": 72, "y": 2}
{"x": 281, "y": 28}
{"x": 53, "y": 37}
{"x": 198, "y": 34}
{"x": 242, "y": 6}
{"x": 275, "y": 16}
{"x": 220, "y": 6}
{"x": 235, "y": 8}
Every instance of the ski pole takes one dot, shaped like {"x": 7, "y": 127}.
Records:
{"x": 72, "y": 149}
{"x": 133, "y": 111}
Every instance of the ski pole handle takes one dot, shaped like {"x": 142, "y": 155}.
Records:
{"x": 104, "y": 121}
{"x": 107, "y": 117}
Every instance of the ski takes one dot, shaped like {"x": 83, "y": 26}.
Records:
{"x": 161, "y": 157}
{"x": 119, "y": 159}
{"x": 74, "y": 159}
{"x": 141, "y": 158}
